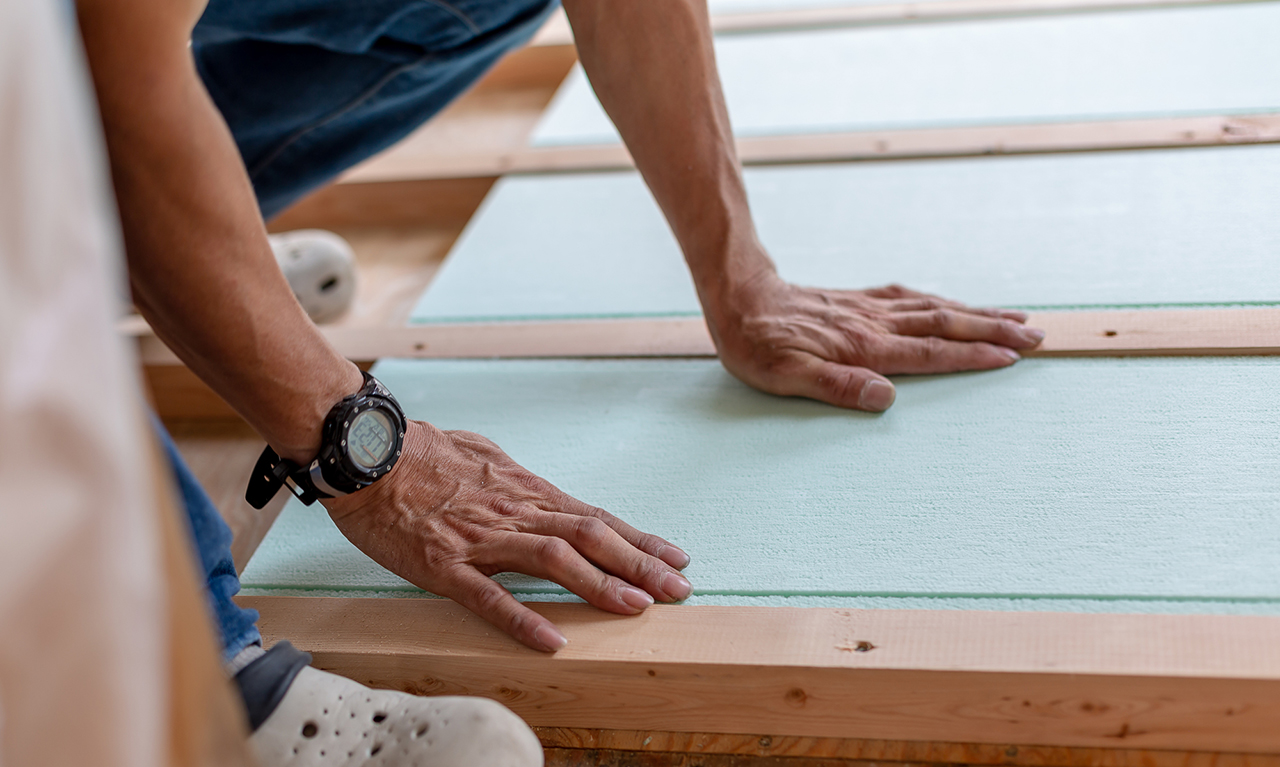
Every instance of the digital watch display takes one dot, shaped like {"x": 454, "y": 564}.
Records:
{"x": 361, "y": 441}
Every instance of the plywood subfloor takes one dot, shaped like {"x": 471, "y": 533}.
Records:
{"x": 1196, "y": 60}
{"x": 1067, "y": 485}
{"x": 1185, "y": 226}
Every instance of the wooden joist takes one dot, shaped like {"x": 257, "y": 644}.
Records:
{"x": 1120, "y": 333}
{"x": 578, "y": 745}
{"x": 1049, "y": 679}
{"x": 965, "y": 141}
{"x": 557, "y": 33}
{"x": 444, "y": 189}
{"x": 177, "y": 393}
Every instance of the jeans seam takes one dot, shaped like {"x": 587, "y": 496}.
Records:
{"x": 369, "y": 93}
{"x": 464, "y": 18}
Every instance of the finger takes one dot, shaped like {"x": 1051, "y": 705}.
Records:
{"x": 556, "y": 560}
{"x": 608, "y": 550}
{"x": 650, "y": 544}
{"x": 488, "y": 599}
{"x": 841, "y": 385}
{"x": 961, "y": 326}
{"x": 905, "y": 354}
{"x": 913, "y": 300}
{"x": 896, "y": 291}
{"x": 933, "y": 302}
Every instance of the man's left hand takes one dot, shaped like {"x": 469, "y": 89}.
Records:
{"x": 837, "y": 346}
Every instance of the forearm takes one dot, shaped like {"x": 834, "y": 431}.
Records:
{"x": 652, "y": 65}
{"x": 200, "y": 266}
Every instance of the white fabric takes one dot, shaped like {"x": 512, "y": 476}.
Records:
{"x": 82, "y": 619}
{"x": 326, "y": 720}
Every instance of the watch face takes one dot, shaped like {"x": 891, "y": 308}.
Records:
{"x": 369, "y": 440}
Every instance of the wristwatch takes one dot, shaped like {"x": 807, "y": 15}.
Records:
{"x": 360, "y": 443}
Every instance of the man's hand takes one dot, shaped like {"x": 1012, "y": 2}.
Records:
{"x": 456, "y": 510}
{"x": 834, "y": 345}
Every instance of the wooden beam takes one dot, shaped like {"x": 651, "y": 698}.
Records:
{"x": 1171, "y": 132}
{"x": 1128, "y": 333}
{"x": 557, "y": 33}
{"x": 1133, "y": 681}
{"x": 873, "y": 751}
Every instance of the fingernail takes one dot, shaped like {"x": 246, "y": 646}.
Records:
{"x": 876, "y": 395}
{"x": 549, "y": 637}
{"x": 635, "y": 598}
{"x": 674, "y": 557}
{"x": 1034, "y": 335}
{"x": 1015, "y": 316}
{"x": 1010, "y": 353}
{"x": 676, "y": 587}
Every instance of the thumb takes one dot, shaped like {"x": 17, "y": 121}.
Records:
{"x": 842, "y": 385}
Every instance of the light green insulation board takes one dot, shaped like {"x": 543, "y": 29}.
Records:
{"x": 1097, "y": 485}
{"x": 1146, "y": 63}
{"x": 1167, "y": 227}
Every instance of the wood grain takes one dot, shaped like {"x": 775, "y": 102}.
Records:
{"x": 222, "y": 454}
{"x": 566, "y": 740}
{"x": 850, "y": 146}
{"x": 1140, "y": 332}
{"x": 441, "y": 203}
{"x": 1151, "y": 681}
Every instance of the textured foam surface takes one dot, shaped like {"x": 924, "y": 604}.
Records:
{"x": 1057, "y": 68}
{"x": 1124, "y": 485}
{"x": 1182, "y": 226}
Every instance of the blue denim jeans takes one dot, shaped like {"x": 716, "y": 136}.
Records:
{"x": 237, "y": 626}
{"x": 310, "y": 88}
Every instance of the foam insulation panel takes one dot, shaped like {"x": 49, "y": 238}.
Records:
{"x": 1166, "y": 227}
{"x": 1109, "y": 65}
{"x": 1094, "y": 485}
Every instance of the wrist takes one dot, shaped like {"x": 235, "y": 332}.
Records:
{"x": 729, "y": 284}
{"x": 296, "y": 436}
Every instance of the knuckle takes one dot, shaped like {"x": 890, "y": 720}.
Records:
{"x": 507, "y": 507}
{"x": 557, "y": 553}
{"x": 487, "y": 599}
{"x": 844, "y": 388}
{"x": 940, "y": 319}
{"x": 523, "y": 623}
{"x": 1011, "y": 330}
{"x": 591, "y": 531}
{"x": 929, "y": 350}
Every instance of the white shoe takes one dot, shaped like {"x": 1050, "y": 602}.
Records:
{"x": 321, "y": 269}
{"x": 326, "y": 720}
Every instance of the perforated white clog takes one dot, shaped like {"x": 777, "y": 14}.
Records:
{"x": 325, "y": 720}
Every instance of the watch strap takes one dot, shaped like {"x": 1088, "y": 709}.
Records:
{"x": 273, "y": 472}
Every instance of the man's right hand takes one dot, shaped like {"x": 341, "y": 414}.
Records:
{"x": 456, "y": 510}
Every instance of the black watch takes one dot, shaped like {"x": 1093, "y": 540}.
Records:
{"x": 361, "y": 441}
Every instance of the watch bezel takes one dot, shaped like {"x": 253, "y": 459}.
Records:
{"x": 337, "y": 467}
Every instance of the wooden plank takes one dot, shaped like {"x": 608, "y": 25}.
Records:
{"x": 1128, "y": 333}
{"x": 964, "y": 141}
{"x": 556, "y": 32}
{"x": 222, "y": 454}
{"x": 876, "y": 751}
{"x": 440, "y": 203}
{"x": 1169, "y": 682}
